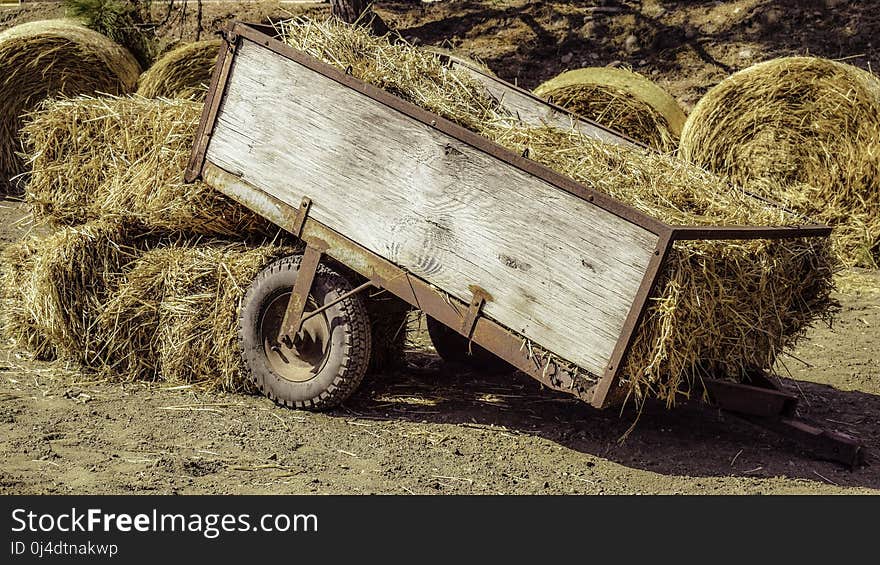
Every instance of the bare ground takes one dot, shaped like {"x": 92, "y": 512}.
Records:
{"x": 426, "y": 429}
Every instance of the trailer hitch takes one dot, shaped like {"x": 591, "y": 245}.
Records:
{"x": 763, "y": 403}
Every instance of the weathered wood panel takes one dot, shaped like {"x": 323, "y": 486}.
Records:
{"x": 562, "y": 271}
{"x": 533, "y": 110}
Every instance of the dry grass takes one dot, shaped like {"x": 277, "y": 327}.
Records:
{"x": 166, "y": 307}
{"x": 18, "y": 320}
{"x": 804, "y": 131}
{"x": 857, "y": 281}
{"x": 174, "y": 314}
{"x": 184, "y": 72}
{"x": 131, "y": 304}
{"x": 413, "y": 74}
{"x": 723, "y": 309}
{"x": 457, "y": 56}
{"x": 123, "y": 157}
{"x": 61, "y": 282}
{"x": 621, "y": 100}
{"x": 48, "y": 58}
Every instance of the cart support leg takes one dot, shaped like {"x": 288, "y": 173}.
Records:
{"x": 767, "y": 406}
{"x": 292, "y": 321}
{"x": 337, "y": 300}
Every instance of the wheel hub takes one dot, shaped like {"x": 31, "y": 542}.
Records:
{"x": 301, "y": 358}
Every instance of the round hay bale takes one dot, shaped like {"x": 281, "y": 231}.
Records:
{"x": 621, "y": 100}
{"x": 47, "y": 58}
{"x": 804, "y": 131}
{"x": 184, "y": 72}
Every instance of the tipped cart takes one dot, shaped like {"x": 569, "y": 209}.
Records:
{"x": 546, "y": 274}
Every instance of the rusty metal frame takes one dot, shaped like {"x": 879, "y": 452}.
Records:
{"x": 299, "y": 295}
{"x": 212, "y": 106}
{"x": 475, "y": 309}
{"x": 689, "y": 233}
{"x": 765, "y": 404}
{"x": 445, "y": 309}
{"x": 610, "y": 378}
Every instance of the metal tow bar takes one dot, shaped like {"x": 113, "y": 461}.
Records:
{"x": 764, "y": 404}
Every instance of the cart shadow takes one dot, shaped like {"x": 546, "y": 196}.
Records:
{"x": 694, "y": 439}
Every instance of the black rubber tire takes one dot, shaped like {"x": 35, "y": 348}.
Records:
{"x": 389, "y": 326}
{"x": 454, "y": 349}
{"x": 347, "y": 358}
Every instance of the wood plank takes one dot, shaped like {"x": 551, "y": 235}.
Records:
{"x": 563, "y": 272}
{"x": 534, "y": 110}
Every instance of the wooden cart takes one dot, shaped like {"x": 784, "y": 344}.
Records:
{"x": 549, "y": 275}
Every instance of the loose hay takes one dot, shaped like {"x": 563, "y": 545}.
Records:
{"x": 61, "y": 284}
{"x": 722, "y": 309}
{"x": 129, "y": 304}
{"x": 413, "y": 74}
{"x": 174, "y": 314}
{"x": 18, "y": 321}
{"x": 48, "y": 58}
{"x": 621, "y": 100}
{"x": 804, "y": 131}
{"x": 456, "y": 56}
{"x": 124, "y": 157}
{"x": 184, "y": 72}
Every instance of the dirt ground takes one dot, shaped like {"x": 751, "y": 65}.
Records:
{"x": 426, "y": 429}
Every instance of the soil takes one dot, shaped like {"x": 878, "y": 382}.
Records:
{"x": 426, "y": 428}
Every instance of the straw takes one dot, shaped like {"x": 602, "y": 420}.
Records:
{"x": 804, "y": 131}
{"x": 46, "y": 58}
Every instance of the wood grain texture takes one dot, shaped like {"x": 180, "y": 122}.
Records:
{"x": 562, "y": 271}
{"x": 533, "y": 110}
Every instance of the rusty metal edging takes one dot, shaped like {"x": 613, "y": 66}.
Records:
{"x": 446, "y": 309}
{"x": 686, "y": 233}
{"x": 546, "y": 102}
{"x": 495, "y": 339}
{"x": 631, "y": 324}
{"x": 211, "y": 108}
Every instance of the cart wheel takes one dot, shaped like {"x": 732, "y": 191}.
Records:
{"x": 326, "y": 361}
{"x": 456, "y": 350}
